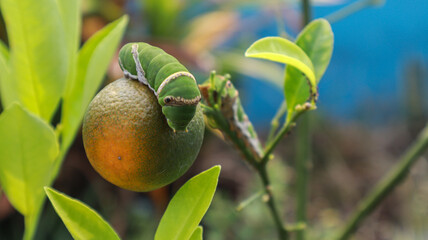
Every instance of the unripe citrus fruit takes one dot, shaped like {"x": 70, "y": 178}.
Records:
{"x": 129, "y": 143}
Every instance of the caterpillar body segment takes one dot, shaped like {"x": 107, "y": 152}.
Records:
{"x": 171, "y": 82}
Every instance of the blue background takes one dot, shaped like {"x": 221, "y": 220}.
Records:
{"x": 365, "y": 78}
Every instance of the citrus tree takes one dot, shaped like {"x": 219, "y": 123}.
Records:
{"x": 131, "y": 133}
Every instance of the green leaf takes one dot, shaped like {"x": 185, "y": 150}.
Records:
{"x": 197, "y": 234}
{"x": 265, "y": 71}
{"x": 92, "y": 63}
{"x": 71, "y": 21}
{"x": 28, "y": 149}
{"x": 316, "y": 39}
{"x": 7, "y": 92}
{"x": 281, "y": 50}
{"x": 4, "y": 52}
{"x": 39, "y": 60}
{"x": 81, "y": 221}
{"x": 188, "y": 206}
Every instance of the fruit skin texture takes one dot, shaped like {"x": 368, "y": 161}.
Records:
{"x": 129, "y": 143}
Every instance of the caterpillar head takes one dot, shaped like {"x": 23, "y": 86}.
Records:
{"x": 179, "y": 100}
{"x": 179, "y": 111}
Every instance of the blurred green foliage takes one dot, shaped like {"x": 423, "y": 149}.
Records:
{"x": 41, "y": 72}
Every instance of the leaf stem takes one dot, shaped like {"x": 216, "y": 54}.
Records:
{"x": 276, "y": 121}
{"x": 249, "y": 200}
{"x": 385, "y": 186}
{"x": 289, "y": 124}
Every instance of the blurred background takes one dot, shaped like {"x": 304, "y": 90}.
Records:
{"x": 373, "y": 102}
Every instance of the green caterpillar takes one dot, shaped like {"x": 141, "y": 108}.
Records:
{"x": 173, "y": 85}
